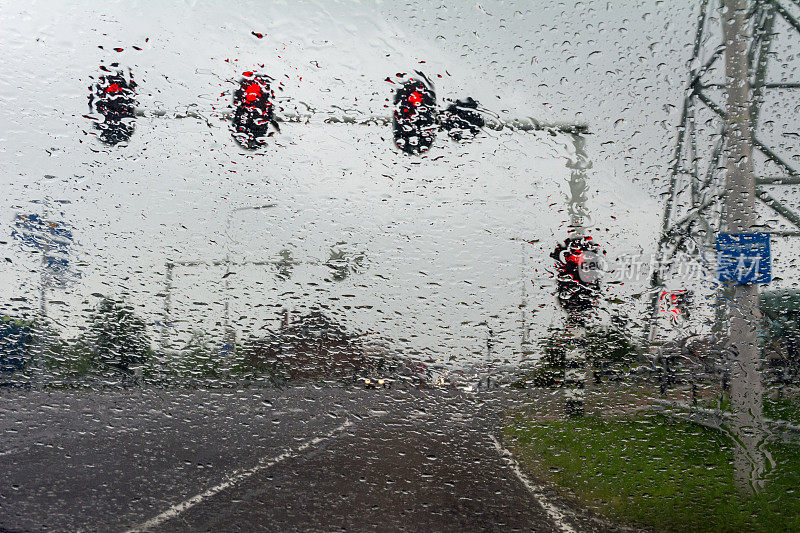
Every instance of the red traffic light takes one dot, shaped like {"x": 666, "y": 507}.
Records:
{"x": 415, "y": 120}
{"x": 577, "y": 280}
{"x": 676, "y": 303}
{"x": 114, "y": 97}
{"x": 253, "y": 92}
{"x": 253, "y": 110}
{"x": 415, "y": 98}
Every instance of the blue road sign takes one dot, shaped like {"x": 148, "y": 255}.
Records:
{"x": 744, "y": 257}
{"x": 52, "y": 238}
{"x": 33, "y": 231}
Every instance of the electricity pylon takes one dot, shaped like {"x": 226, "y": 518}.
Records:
{"x": 695, "y": 204}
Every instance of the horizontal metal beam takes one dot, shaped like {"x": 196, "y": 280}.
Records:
{"x": 784, "y": 85}
{"x": 764, "y": 196}
{"x": 526, "y": 124}
{"x": 778, "y": 180}
{"x": 225, "y": 262}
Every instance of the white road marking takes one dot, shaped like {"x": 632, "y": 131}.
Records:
{"x": 234, "y": 478}
{"x": 556, "y": 514}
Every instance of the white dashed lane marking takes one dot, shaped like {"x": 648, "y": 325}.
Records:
{"x": 556, "y": 514}
{"x": 234, "y": 478}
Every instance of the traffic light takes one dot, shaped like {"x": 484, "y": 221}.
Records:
{"x": 114, "y": 97}
{"x": 253, "y": 110}
{"x": 577, "y": 265}
{"x": 462, "y": 120}
{"x": 415, "y": 115}
{"x": 677, "y": 303}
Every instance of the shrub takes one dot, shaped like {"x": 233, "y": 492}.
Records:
{"x": 116, "y": 338}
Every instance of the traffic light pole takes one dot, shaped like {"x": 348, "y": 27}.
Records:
{"x": 577, "y": 371}
{"x": 524, "y": 344}
{"x": 230, "y": 332}
{"x": 740, "y": 217}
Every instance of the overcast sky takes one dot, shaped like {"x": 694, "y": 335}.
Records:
{"x": 436, "y": 230}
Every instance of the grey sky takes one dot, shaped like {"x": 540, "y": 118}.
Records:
{"x": 436, "y": 231}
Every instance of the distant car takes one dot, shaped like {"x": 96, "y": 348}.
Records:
{"x": 467, "y": 387}
{"x": 375, "y": 382}
{"x": 440, "y": 381}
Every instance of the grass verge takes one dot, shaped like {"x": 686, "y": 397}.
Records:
{"x": 649, "y": 470}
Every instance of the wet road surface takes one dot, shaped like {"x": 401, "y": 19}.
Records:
{"x": 300, "y": 459}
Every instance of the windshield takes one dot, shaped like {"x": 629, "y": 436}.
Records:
{"x": 316, "y": 266}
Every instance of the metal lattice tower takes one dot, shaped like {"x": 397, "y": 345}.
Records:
{"x": 694, "y": 206}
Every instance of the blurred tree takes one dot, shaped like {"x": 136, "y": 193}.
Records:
{"x": 198, "y": 360}
{"x": 16, "y": 341}
{"x": 116, "y": 337}
{"x": 780, "y": 333}
{"x": 285, "y": 265}
{"x": 343, "y": 262}
{"x": 549, "y": 372}
{"x": 610, "y": 350}
{"x": 263, "y": 358}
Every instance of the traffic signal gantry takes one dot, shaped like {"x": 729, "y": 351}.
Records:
{"x": 415, "y": 121}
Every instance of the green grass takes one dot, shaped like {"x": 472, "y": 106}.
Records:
{"x": 786, "y": 408}
{"x": 655, "y": 472}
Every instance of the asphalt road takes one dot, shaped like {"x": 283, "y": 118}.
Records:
{"x": 299, "y": 459}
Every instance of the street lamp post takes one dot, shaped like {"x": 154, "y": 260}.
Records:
{"x": 165, "y": 322}
{"x": 523, "y": 304}
{"x": 229, "y": 338}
